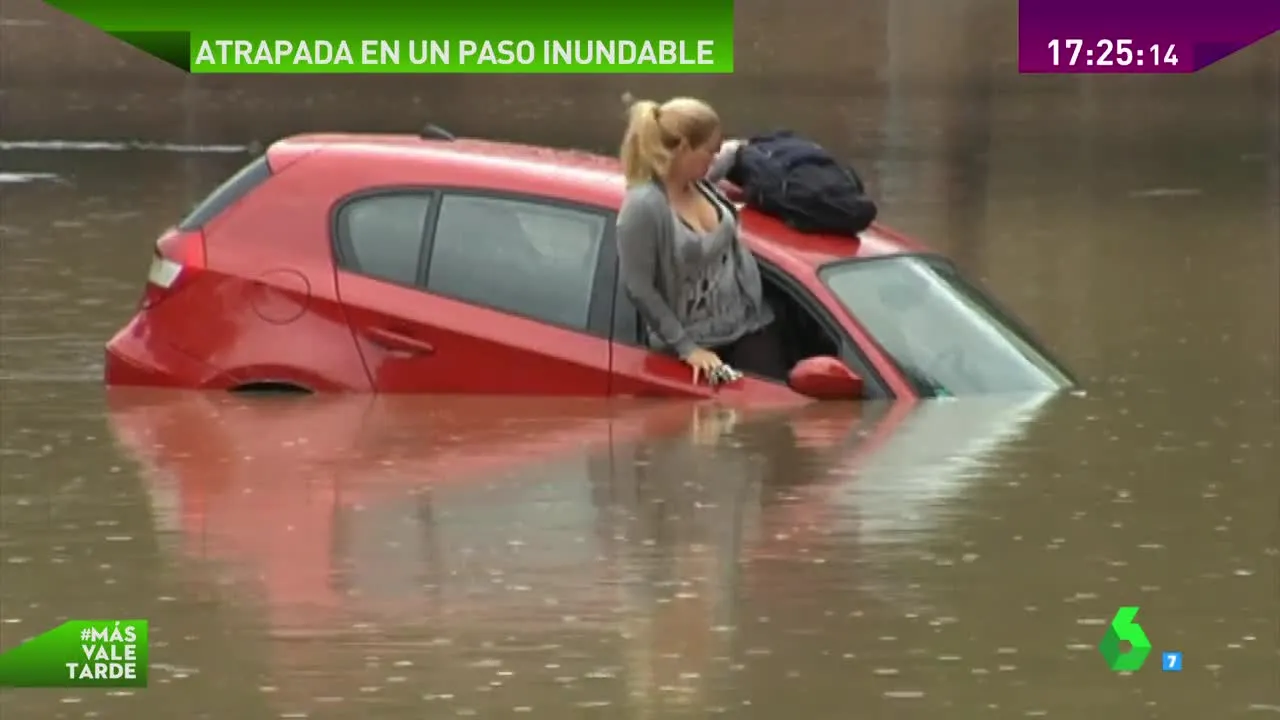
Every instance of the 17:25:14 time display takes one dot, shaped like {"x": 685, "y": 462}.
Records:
{"x": 1110, "y": 52}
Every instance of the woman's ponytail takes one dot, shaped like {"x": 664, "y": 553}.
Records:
{"x": 655, "y": 133}
{"x": 644, "y": 154}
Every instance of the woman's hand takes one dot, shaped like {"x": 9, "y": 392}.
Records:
{"x": 703, "y": 362}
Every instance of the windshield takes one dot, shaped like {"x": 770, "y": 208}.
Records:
{"x": 946, "y": 335}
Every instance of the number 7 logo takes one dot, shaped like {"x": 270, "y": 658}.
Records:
{"x": 1124, "y": 629}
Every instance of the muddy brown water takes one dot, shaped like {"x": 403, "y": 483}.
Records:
{"x": 351, "y": 557}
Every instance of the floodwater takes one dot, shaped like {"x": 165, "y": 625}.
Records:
{"x": 396, "y": 558}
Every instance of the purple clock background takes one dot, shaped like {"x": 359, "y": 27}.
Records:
{"x": 1201, "y": 31}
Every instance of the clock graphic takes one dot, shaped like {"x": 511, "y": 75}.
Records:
{"x": 1147, "y": 36}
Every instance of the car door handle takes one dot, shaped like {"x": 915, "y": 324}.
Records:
{"x": 399, "y": 342}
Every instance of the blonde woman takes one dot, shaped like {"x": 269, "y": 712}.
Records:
{"x": 696, "y": 285}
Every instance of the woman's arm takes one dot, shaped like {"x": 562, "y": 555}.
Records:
{"x": 637, "y": 236}
{"x": 724, "y": 160}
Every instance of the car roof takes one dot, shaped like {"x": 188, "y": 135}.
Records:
{"x": 582, "y": 176}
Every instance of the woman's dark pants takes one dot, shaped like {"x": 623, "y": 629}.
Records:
{"x": 759, "y": 353}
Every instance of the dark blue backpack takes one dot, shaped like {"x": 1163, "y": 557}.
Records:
{"x": 798, "y": 182}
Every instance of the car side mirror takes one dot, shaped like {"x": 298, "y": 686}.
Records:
{"x": 825, "y": 378}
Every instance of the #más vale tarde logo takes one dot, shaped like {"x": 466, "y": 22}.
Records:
{"x": 80, "y": 653}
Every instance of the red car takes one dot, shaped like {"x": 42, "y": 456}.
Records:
{"x": 429, "y": 264}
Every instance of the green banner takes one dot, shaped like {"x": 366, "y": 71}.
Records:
{"x": 80, "y": 653}
{"x": 395, "y": 36}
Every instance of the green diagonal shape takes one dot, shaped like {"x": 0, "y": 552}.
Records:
{"x": 173, "y": 47}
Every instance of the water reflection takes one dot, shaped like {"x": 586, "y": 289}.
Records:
{"x": 596, "y": 546}
{"x": 904, "y": 490}
{"x": 346, "y": 556}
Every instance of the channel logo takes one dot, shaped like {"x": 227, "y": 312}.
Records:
{"x": 1123, "y": 630}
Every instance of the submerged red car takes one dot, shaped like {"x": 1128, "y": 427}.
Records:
{"x": 432, "y": 264}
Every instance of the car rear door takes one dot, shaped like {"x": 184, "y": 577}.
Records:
{"x": 454, "y": 291}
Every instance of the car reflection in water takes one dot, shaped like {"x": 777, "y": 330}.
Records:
{"x": 899, "y": 488}
{"x": 584, "y": 538}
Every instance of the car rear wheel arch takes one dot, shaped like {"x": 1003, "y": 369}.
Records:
{"x": 271, "y": 387}
{"x": 277, "y": 378}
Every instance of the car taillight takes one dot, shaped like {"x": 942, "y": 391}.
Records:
{"x": 179, "y": 256}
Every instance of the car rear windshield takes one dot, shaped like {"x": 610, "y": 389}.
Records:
{"x": 946, "y": 335}
{"x": 237, "y": 186}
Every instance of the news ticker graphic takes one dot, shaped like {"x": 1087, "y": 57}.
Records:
{"x": 399, "y": 36}
{"x": 1123, "y": 629}
{"x": 1138, "y": 36}
{"x": 80, "y": 653}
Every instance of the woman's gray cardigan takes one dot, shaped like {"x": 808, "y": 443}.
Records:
{"x": 646, "y": 234}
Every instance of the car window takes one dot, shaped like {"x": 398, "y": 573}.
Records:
{"x": 227, "y": 194}
{"x": 948, "y": 337}
{"x": 381, "y": 235}
{"x": 519, "y": 256}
